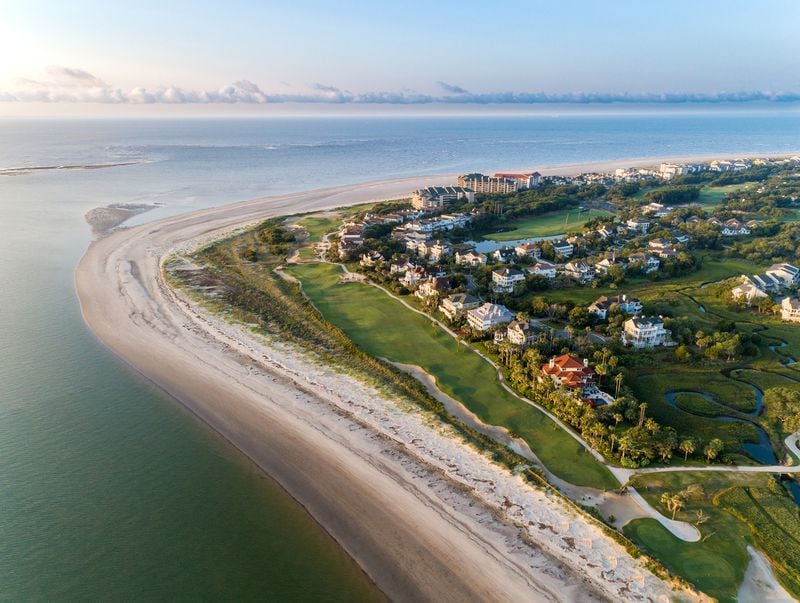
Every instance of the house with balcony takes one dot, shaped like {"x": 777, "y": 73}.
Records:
{"x": 505, "y": 279}
{"x": 563, "y": 249}
{"x": 456, "y": 305}
{"x": 432, "y": 287}
{"x": 645, "y": 332}
{"x": 528, "y": 250}
{"x": 605, "y": 304}
{"x": 488, "y": 316}
{"x": 471, "y": 258}
{"x": 579, "y": 271}
{"x": 790, "y": 309}
{"x": 543, "y": 268}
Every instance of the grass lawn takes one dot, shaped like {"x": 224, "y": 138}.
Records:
{"x": 710, "y": 196}
{"x": 385, "y": 328}
{"x": 546, "y": 225}
{"x": 317, "y": 225}
{"x": 716, "y": 564}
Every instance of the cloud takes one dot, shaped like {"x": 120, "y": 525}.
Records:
{"x": 451, "y": 88}
{"x": 70, "y": 85}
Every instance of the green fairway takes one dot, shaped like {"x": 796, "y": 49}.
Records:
{"x": 710, "y": 196}
{"x": 717, "y": 563}
{"x": 545, "y": 225}
{"x": 716, "y": 567}
{"x": 383, "y": 327}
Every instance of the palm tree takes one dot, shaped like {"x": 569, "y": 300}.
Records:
{"x": 713, "y": 449}
{"x": 642, "y": 410}
{"x": 687, "y": 447}
{"x": 617, "y": 418}
{"x": 677, "y": 503}
{"x": 618, "y": 381}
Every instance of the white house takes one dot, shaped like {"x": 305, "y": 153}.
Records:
{"x": 563, "y": 248}
{"x": 765, "y": 282}
{"x": 457, "y": 304}
{"x": 543, "y": 268}
{"x": 790, "y": 309}
{"x": 580, "y": 271}
{"x": 644, "y": 332}
{"x": 488, "y": 316}
{"x": 505, "y": 279}
{"x": 734, "y": 228}
{"x": 604, "y": 304}
{"x": 648, "y": 262}
{"x": 528, "y": 250}
{"x": 504, "y": 254}
{"x": 603, "y": 265}
{"x": 639, "y": 225}
{"x": 471, "y": 258}
{"x": 747, "y": 291}
{"x": 786, "y": 273}
{"x": 433, "y": 286}
{"x": 523, "y": 332}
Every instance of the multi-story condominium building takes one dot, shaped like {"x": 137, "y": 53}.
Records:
{"x": 434, "y": 197}
{"x": 488, "y": 316}
{"x": 457, "y": 304}
{"x": 505, "y": 279}
{"x": 644, "y": 332}
{"x": 481, "y": 183}
{"x": 525, "y": 180}
{"x": 789, "y": 275}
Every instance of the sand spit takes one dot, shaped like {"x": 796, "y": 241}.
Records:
{"x": 427, "y": 517}
{"x": 104, "y": 219}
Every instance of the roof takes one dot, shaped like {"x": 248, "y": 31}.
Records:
{"x": 463, "y": 298}
{"x": 645, "y": 321}
{"x": 506, "y": 272}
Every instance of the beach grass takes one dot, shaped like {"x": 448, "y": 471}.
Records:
{"x": 546, "y": 225}
{"x": 383, "y": 327}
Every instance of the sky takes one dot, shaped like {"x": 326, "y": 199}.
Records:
{"x": 85, "y": 53}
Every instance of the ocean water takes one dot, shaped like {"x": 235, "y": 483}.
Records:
{"x": 108, "y": 488}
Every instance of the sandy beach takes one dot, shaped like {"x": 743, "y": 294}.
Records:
{"x": 426, "y": 517}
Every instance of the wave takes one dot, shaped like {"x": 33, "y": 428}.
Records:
{"x": 18, "y": 171}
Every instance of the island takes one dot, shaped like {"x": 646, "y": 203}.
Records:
{"x": 543, "y": 385}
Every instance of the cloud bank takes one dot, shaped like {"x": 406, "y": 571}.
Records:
{"x": 69, "y": 85}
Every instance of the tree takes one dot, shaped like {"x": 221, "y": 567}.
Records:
{"x": 687, "y": 447}
{"x": 713, "y": 448}
{"x": 617, "y": 419}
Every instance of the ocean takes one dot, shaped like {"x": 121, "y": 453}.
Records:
{"x": 108, "y": 488}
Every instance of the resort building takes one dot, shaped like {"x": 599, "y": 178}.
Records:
{"x": 471, "y": 258}
{"x": 644, "y": 332}
{"x": 605, "y": 304}
{"x": 790, "y": 309}
{"x": 434, "y": 197}
{"x": 489, "y": 316}
{"x": 524, "y": 180}
{"x": 495, "y": 184}
{"x": 543, "y": 268}
{"x": 454, "y": 306}
{"x": 505, "y": 279}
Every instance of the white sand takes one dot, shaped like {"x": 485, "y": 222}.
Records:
{"x": 759, "y": 584}
{"x": 427, "y": 517}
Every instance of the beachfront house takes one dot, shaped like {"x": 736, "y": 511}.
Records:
{"x": 505, "y": 279}
{"x": 489, "y": 316}
{"x": 605, "y": 304}
{"x": 454, "y": 306}
{"x": 644, "y": 332}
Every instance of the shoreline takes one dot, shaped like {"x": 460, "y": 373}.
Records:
{"x": 375, "y": 513}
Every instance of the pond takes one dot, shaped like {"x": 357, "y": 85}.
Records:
{"x": 761, "y": 451}
{"x": 785, "y": 359}
{"x": 490, "y": 245}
